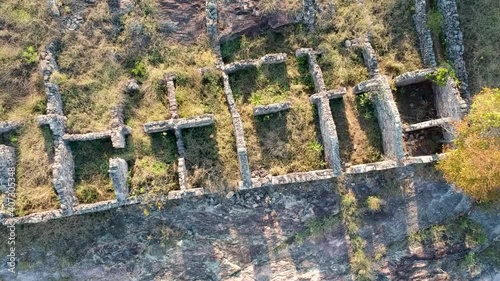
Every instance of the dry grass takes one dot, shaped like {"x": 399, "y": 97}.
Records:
{"x": 272, "y": 6}
{"x": 358, "y": 131}
{"x": 211, "y": 153}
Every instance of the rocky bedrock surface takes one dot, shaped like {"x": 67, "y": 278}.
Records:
{"x": 252, "y": 235}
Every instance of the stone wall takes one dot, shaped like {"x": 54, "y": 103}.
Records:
{"x": 7, "y": 126}
{"x": 271, "y": 108}
{"x": 329, "y": 136}
{"x": 172, "y": 100}
{"x": 246, "y": 64}
{"x": 424, "y": 34}
{"x": 63, "y": 171}
{"x": 387, "y": 115}
{"x": 413, "y": 77}
{"x": 454, "y": 42}
{"x": 428, "y": 124}
{"x": 314, "y": 69}
{"x": 184, "y": 123}
{"x": 63, "y": 164}
{"x": 118, "y": 129}
{"x": 365, "y": 168}
{"x": 449, "y": 104}
{"x": 389, "y": 120}
{"x": 241, "y": 149}
{"x": 294, "y": 178}
{"x": 383, "y": 100}
{"x": 448, "y": 101}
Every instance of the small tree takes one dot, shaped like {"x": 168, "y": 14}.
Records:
{"x": 474, "y": 163}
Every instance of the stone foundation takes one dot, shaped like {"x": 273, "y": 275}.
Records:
{"x": 378, "y": 166}
{"x": 177, "y": 124}
{"x": 449, "y": 104}
{"x": 241, "y": 149}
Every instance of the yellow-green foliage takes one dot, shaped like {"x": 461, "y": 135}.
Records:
{"x": 374, "y": 203}
{"x": 474, "y": 164}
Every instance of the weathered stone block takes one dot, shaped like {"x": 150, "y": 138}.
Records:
{"x": 271, "y": 108}
{"x": 118, "y": 171}
{"x": 8, "y": 126}
{"x": 413, "y": 77}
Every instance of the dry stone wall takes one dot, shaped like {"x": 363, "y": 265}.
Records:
{"x": 453, "y": 38}
{"x": 454, "y": 42}
{"x": 424, "y": 33}
{"x": 8, "y": 126}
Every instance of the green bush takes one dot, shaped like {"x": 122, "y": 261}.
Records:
{"x": 441, "y": 75}
{"x": 30, "y": 55}
{"x": 139, "y": 70}
{"x": 435, "y": 21}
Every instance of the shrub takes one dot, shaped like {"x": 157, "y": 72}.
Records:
{"x": 435, "y": 21}
{"x": 139, "y": 70}
{"x": 30, "y": 55}
{"x": 374, "y": 203}
{"x": 440, "y": 76}
{"x": 473, "y": 163}
{"x": 315, "y": 146}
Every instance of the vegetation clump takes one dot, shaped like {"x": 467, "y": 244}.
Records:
{"x": 441, "y": 75}
{"x": 473, "y": 164}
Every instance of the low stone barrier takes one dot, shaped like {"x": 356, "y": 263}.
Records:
{"x": 271, "y": 108}
{"x": 7, "y": 126}
{"x": 413, "y": 77}
{"x": 118, "y": 171}
{"x": 427, "y": 124}
{"x": 293, "y": 178}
